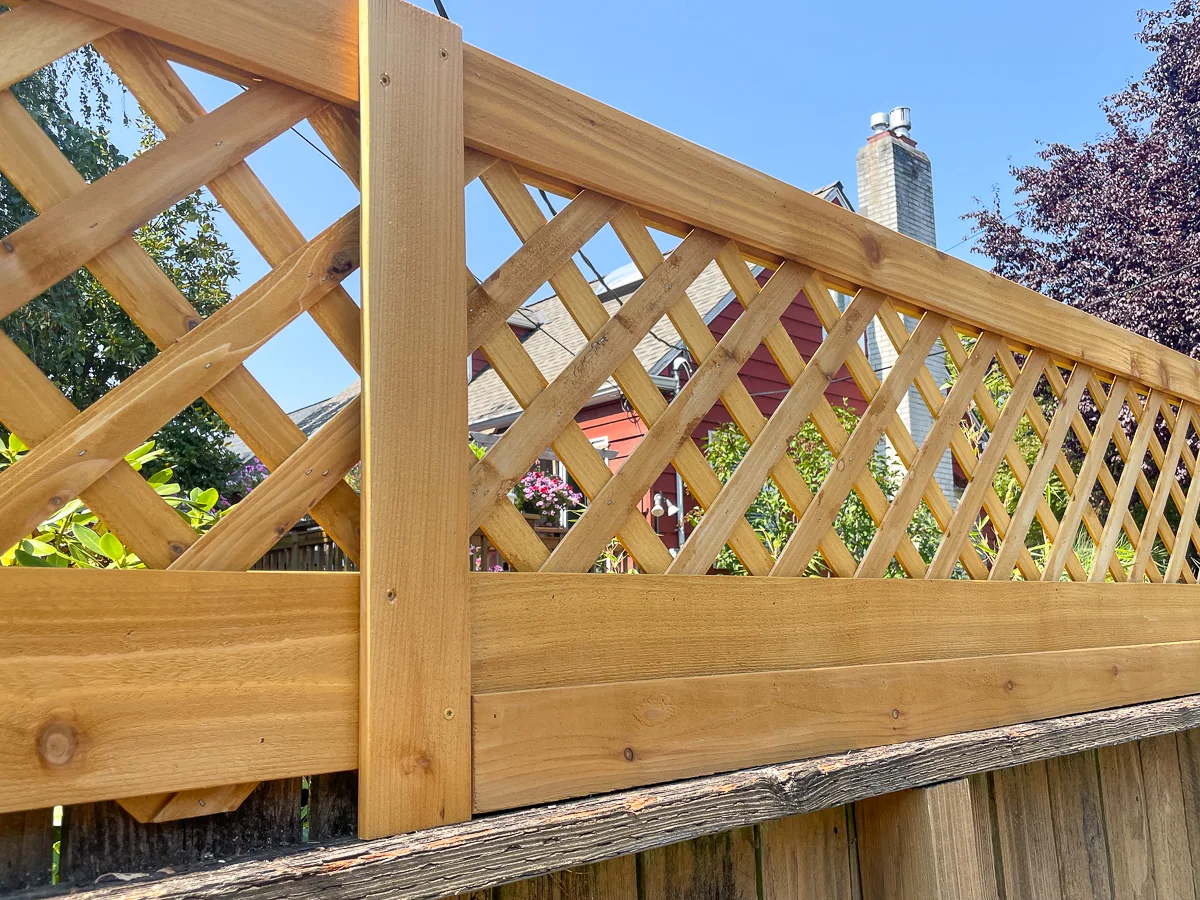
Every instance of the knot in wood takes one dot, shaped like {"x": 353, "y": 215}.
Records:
{"x": 341, "y": 264}
{"x": 57, "y": 744}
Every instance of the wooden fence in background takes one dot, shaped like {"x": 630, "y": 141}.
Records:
{"x": 174, "y": 691}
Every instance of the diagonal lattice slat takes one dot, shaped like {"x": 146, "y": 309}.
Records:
{"x": 1125, "y": 488}
{"x": 33, "y": 408}
{"x": 515, "y": 452}
{"x": 731, "y": 504}
{"x": 993, "y": 506}
{"x": 897, "y": 432}
{"x": 735, "y": 397}
{"x": 60, "y": 241}
{"x": 1156, "y": 510}
{"x": 164, "y": 97}
{"x": 46, "y": 178}
{"x": 948, "y": 423}
{"x": 589, "y": 314}
{"x": 1032, "y": 492}
{"x": 858, "y": 450}
{"x": 1088, "y": 473}
{"x": 719, "y": 368}
{"x": 957, "y": 535}
{"x": 541, "y": 256}
{"x": 512, "y": 363}
{"x": 99, "y": 437}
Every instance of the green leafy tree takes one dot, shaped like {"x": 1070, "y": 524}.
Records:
{"x": 75, "y": 332}
{"x": 772, "y": 517}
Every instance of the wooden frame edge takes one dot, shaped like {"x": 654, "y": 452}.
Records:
{"x": 496, "y": 849}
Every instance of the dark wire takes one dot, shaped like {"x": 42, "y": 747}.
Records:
{"x": 976, "y": 233}
{"x": 305, "y": 139}
{"x": 441, "y": 9}
{"x": 604, "y": 284}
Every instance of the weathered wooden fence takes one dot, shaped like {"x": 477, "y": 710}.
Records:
{"x": 174, "y": 691}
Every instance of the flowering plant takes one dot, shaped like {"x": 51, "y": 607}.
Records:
{"x": 545, "y": 495}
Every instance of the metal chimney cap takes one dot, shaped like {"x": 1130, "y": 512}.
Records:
{"x": 879, "y": 122}
{"x": 900, "y": 120}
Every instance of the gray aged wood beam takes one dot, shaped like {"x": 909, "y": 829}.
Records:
{"x": 511, "y": 846}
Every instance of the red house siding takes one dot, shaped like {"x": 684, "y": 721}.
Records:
{"x": 761, "y": 377}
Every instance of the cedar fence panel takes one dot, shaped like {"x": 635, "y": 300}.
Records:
{"x": 171, "y": 693}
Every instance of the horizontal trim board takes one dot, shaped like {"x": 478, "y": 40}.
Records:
{"x": 120, "y": 683}
{"x": 496, "y": 849}
{"x": 159, "y": 681}
{"x": 529, "y": 120}
{"x": 543, "y": 745}
{"x": 542, "y": 630}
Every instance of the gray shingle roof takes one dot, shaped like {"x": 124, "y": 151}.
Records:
{"x": 551, "y": 347}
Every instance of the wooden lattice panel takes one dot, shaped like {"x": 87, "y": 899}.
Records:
{"x": 1073, "y": 432}
{"x": 80, "y": 224}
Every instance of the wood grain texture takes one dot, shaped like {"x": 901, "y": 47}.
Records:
{"x": 55, "y": 244}
{"x": 807, "y": 857}
{"x": 1125, "y": 820}
{"x": 919, "y": 845}
{"x": 37, "y": 34}
{"x": 537, "y": 631}
{"x": 991, "y": 871}
{"x": 1079, "y": 833}
{"x": 1026, "y": 831}
{"x": 117, "y": 684}
{"x": 456, "y": 859}
{"x": 170, "y": 806}
{"x": 100, "y": 839}
{"x": 611, "y": 736}
{"x": 414, "y": 738}
{"x": 614, "y": 879}
{"x": 519, "y": 116}
{"x": 26, "y": 849}
{"x": 46, "y": 178}
{"x": 1188, "y": 746}
{"x": 714, "y": 866}
{"x": 1169, "y": 844}
{"x": 98, "y": 438}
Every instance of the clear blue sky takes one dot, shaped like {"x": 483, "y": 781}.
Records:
{"x": 786, "y": 87}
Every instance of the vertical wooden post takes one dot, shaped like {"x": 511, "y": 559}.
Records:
{"x": 414, "y": 706}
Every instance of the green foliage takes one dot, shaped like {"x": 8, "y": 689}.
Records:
{"x": 75, "y": 538}
{"x": 75, "y": 332}
{"x": 772, "y": 517}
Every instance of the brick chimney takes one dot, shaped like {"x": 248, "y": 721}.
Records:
{"x": 895, "y": 189}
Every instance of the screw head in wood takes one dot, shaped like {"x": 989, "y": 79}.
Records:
{"x": 448, "y": 713}
{"x": 444, "y": 53}
{"x": 385, "y": 79}
{"x": 628, "y": 754}
{"x": 391, "y": 595}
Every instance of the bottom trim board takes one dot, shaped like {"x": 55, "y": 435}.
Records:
{"x": 495, "y": 849}
{"x": 537, "y": 746}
